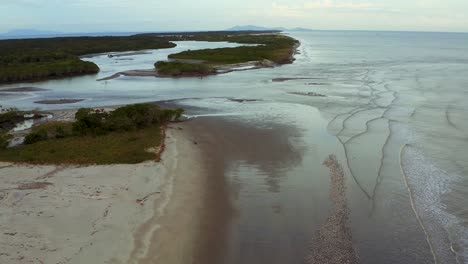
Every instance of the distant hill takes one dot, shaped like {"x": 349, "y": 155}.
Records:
{"x": 258, "y": 28}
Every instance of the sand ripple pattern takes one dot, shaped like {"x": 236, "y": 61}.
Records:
{"x": 333, "y": 243}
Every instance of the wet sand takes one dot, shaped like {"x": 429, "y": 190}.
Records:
{"x": 216, "y": 210}
{"x": 103, "y": 214}
{"x": 222, "y": 237}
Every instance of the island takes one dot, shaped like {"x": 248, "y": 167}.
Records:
{"x": 266, "y": 49}
{"x": 27, "y": 60}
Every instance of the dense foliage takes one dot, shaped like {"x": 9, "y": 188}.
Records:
{"x": 9, "y": 118}
{"x": 4, "y": 139}
{"x": 127, "y": 118}
{"x": 79, "y": 46}
{"x": 36, "y": 136}
{"x": 176, "y": 68}
{"x": 36, "y": 59}
{"x": 272, "y": 46}
{"x": 268, "y": 46}
{"x": 276, "y": 48}
{"x": 120, "y": 136}
{"x": 43, "y": 70}
{"x": 7, "y": 121}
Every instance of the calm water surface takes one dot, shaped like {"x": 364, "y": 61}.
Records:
{"x": 395, "y": 115}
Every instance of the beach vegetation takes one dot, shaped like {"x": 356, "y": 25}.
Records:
{"x": 96, "y": 137}
{"x": 4, "y": 139}
{"x": 9, "y": 118}
{"x": 177, "y": 68}
{"x": 113, "y": 148}
{"x": 36, "y": 136}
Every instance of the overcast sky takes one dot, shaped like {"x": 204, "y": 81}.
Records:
{"x": 157, "y": 15}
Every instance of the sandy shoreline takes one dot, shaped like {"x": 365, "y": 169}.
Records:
{"x": 103, "y": 214}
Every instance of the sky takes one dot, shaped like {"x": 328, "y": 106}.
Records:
{"x": 157, "y": 15}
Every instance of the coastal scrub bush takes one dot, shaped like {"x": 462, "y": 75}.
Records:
{"x": 9, "y": 119}
{"x": 89, "y": 121}
{"x": 36, "y": 136}
{"x": 4, "y": 139}
{"x": 60, "y": 132}
{"x": 177, "y": 68}
{"x": 126, "y": 118}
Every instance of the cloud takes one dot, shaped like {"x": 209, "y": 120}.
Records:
{"x": 278, "y": 10}
{"x": 306, "y": 9}
{"x": 330, "y": 4}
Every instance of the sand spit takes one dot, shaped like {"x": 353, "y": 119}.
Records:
{"x": 308, "y": 94}
{"x": 132, "y": 73}
{"x": 217, "y": 70}
{"x": 115, "y": 54}
{"x": 59, "y": 101}
{"x": 128, "y": 54}
{"x": 316, "y": 83}
{"x": 144, "y": 213}
{"x": 333, "y": 244}
{"x": 23, "y": 89}
{"x": 292, "y": 79}
{"x": 243, "y": 100}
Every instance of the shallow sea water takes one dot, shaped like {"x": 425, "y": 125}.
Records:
{"x": 395, "y": 115}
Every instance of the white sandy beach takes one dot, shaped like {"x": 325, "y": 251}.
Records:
{"x": 144, "y": 213}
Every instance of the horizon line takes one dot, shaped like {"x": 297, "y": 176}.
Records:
{"x": 53, "y": 33}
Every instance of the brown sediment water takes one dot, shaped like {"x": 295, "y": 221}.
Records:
{"x": 334, "y": 243}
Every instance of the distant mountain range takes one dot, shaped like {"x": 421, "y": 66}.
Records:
{"x": 257, "y": 28}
